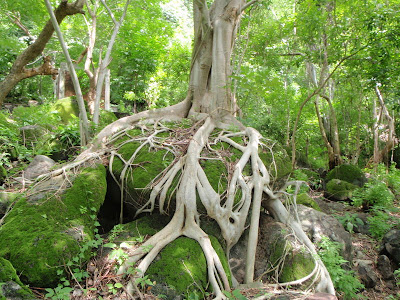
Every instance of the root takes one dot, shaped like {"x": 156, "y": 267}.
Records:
{"x": 229, "y": 209}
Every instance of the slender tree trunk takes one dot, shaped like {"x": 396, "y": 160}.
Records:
{"x": 107, "y": 59}
{"x": 18, "y": 71}
{"x": 82, "y": 111}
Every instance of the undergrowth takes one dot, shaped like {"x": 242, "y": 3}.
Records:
{"x": 345, "y": 281}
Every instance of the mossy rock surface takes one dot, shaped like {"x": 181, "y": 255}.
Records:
{"x": 280, "y": 246}
{"x": 181, "y": 266}
{"x": 3, "y": 174}
{"x": 348, "y": 173}
{"x": 306, "y": 200}
{"x": 340, "y": 190}
{"x": 8, "y": 279}
{"x": 67, "y": 108}
{"x": 45, "y": 230}
{"x": 149, "y": 163}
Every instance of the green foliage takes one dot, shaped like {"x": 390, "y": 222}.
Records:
{"x": 349, "y": 221}
{"x": 345, "y": 281}
{"x": 374, "y": 193}
{"x": 380, "y": 222}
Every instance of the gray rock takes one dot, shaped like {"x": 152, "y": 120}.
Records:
{"x": 322, "y": 296}
{"x": 40, "y": 164}
{"x": 366, "y": 272}
{"x": 317, "y": 224}
{"x": 391, "y": 243}
{"x": 384, "y": 266}
{"x": 13, "y": 291}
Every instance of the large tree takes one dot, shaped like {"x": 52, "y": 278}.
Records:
{"x": 210, "y": 103}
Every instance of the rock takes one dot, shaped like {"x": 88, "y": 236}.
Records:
{"x": 317, "y": 224}
{"x": 367, "y": 273}
{"x": 384, "y": 266}
{"x": 6, "y": 199}
{"x": 306, "y": 200}
{"x": 180, "y": 268}
{"x": 362, "y": 226}
{"x": 339, "y": 190}
{"x": 11, "y": 286}
{"x": 348, "y": 173}
{"x": 40, "y": 164}
{"x": 322, "y": 296}
{"x": 391, "y": 243}
{"x": 275, "y": 242}
{"x": 67, "y": 108}
{"x": 39, "y": 235}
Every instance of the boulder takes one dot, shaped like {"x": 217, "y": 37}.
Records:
{"x": 339, "y": 190}
{"x": 45, "y": 228}
{"x": 317, "y": 224}
{"x": 384, "y": 267}
{"x": 391, "y": 245}
{"x": 276, "y": 245}
{"x": 348, "y": 173}
{"x": 67, "y": 108}
{"x": 366, "y": 272}
{"x": 321, "y": 296}
{"x": 41, "y": 164}
{"x": 306, "y": 200}
{"x": 11, "y": 287}
{"x": 180, "y": 268}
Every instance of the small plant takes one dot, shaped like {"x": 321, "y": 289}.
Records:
{"x": 381, "y": 222}
{"x": 114, "y": 287}
{"x": 345, "y": 281}
{"x": 396, "y": 274}
{"x": 349, "y": 221}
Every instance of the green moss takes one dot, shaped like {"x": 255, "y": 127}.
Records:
{"x": 7, "y": 274}
{"x": 67, "y": 108}
{"x": 182, "y": 265}
{"x": 306, "y": 200}
{"x": 340, "y": 190}
{"x": 348, "y": 173}
{"x": 40, "y": 234}
{"x": 3, "y": 173}
{"x": 298, "y": 264}
{"x": 278, "y": 162}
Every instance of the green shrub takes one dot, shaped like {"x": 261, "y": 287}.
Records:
{"x": 349, "y": 221}
{"x": 374, "y": 193}
{"x": 345, "y": 281}
{"x": 380, "y": 222}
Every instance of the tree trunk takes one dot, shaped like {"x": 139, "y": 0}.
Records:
{"x": 18, "y": 71}
{"x": 214, "y": 36}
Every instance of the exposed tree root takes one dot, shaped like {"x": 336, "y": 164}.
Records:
{"x": 230, "y": 208}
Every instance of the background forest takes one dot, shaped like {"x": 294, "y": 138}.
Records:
{"x": 319, "y": 77}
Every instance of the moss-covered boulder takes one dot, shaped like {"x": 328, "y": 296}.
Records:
{"x": 47, "y": 228}
{"x": 348, "y": 173}
{"x": 11, "y": 286}
{"x": 306, "y": 200}
{"x": 181, "y": 267}
{"x": 67, "y": 108}
{"x": 279, "y": 250}
{"x": 340, "y": 190}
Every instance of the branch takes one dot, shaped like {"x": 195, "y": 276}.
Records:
{"x": 109, "y": 12}
{"x": 250, "y": 3}
{"x": 16, "y": 19}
